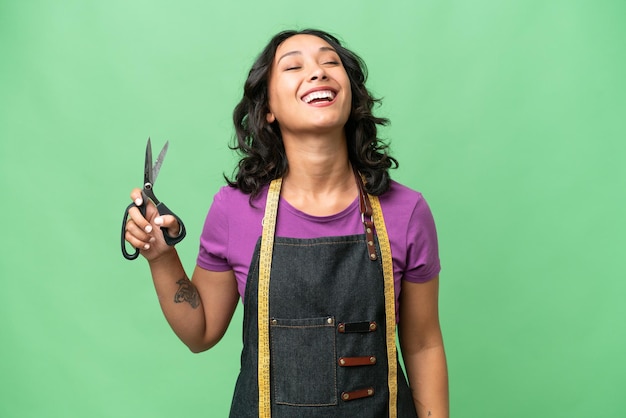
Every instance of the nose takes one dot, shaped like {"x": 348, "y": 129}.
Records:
{"x": 318, "y": 73}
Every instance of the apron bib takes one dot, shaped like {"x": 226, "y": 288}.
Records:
{"x": 324, "y": 344}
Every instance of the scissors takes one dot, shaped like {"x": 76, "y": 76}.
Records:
{"x": 149, "y": 177}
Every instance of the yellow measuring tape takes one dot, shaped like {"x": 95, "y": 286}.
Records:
{"x": 265, "y": 266}
{"x": 390, "y": 304}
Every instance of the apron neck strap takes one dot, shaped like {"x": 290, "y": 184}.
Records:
{"x": 365, "y": 207}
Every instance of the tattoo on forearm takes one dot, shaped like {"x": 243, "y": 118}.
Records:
{"x": 187, "y": 293}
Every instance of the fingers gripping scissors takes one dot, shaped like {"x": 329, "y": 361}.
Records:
{"x": 149, "y": 177}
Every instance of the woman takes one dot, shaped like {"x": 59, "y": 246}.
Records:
{"x": 348, "y": 251}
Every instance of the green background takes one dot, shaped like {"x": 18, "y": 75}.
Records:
{"x": 507, "y": 115}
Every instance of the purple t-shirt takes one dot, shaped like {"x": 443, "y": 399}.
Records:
{"x": 232, "y": 228}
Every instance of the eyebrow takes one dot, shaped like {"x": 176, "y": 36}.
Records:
{"x": 287, "y": 54}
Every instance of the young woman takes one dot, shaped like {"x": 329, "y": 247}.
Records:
{"x": 326, "y": 252}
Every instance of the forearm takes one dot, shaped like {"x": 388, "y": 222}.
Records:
{"x": 428, "y": 378}
{"x": 179, "y": 300}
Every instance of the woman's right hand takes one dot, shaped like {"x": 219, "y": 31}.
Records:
{"x": 144, "y": 232}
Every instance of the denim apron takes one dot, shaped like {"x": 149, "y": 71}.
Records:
{"x": 327, "y": 333}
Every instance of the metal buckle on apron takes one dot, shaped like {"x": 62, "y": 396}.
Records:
{"x": 348, "y": 327}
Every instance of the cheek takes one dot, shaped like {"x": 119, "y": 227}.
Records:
{"x": 272, "y": 88}
{"x": 348, "y": 101}
{"x": 347, "y": 87}
{"x": 277, "y": 103}
{"x": 276, "y": 93}
{"x": 273, "y": 98}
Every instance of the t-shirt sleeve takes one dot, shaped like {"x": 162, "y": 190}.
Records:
{"x": 213, "y": 252}
{"x": 422, "y": 263}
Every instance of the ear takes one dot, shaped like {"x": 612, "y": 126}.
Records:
{"x": 270, "y": 118}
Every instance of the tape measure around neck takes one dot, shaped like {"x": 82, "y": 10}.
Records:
{"x": 265, "y": 266}
{"x": 390, "y": 305}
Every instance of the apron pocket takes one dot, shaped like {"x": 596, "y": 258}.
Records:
{"x": 303, "y": 369}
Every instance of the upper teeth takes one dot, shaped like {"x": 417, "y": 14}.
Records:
{"x": 321, "y": 94}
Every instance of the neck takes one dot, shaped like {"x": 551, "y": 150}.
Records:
{"x": 320, "y": 180}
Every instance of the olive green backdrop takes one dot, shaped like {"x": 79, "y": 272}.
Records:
{"x": 507, "y": 115}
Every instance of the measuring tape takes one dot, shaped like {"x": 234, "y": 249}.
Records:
{"x": 390, "y": 304}
{"x": 265, "y": 267}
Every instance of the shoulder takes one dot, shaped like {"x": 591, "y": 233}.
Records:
{"x": 228, "y": 195}
{"x": 231, "y": 228}
{"x": 401, "y": 200}
{"x": 408, "y": 218}
{"x": 229, "y": 200}
{"x": 232, "y": 211}
{"x": 412, "y": 233}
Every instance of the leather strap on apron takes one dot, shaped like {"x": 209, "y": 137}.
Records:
{"x": 371, "y": 214}
{"x": 365, "y": 208}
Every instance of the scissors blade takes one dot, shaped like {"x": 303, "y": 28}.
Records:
{"x": 147, "y": 168}
{"x": 157, "y": 164}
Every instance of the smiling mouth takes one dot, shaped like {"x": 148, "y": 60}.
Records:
{"x": 319, "y": 96}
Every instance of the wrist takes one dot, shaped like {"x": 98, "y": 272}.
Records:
{"x": 169, "y": 257}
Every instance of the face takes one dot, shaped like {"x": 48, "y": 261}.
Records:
{"x": 309, "y": 89}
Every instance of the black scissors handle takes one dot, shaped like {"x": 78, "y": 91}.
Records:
{"x": 126, "y": 254}
{"x": 169, "y": 240}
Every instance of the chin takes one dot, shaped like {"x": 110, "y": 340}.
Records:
{"x": 330, "y": 122}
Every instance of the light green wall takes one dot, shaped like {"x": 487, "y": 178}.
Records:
{"x": 507, "y": 115}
